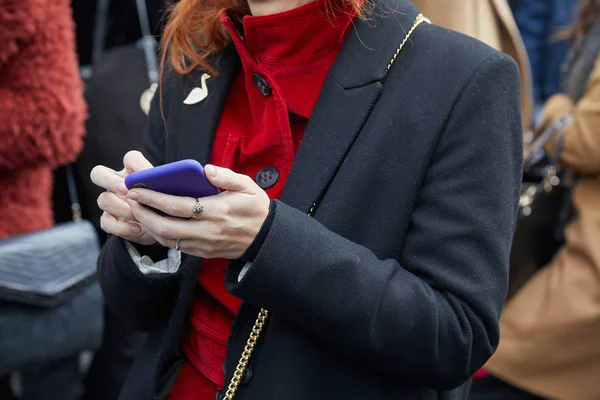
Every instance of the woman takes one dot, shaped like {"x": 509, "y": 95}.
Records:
{"x": 492, "y": 22}
{"x": 376, "y": 233}
{"x": 549, "y": 344}
{"x": 42, "y": 115}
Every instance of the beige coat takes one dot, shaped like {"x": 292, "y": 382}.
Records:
{"x": 492, "y": 22}
{"x": 550, "y": 330}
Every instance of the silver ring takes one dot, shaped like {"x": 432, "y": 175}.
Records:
{"x": 197, "y": 210}
{"x": 177, "y": 244}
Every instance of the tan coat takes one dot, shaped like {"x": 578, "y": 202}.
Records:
{"x": 550, "y": 330}
{"x": 492, "y": 22}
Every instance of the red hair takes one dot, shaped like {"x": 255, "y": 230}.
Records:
{"x": 194, "y": 31}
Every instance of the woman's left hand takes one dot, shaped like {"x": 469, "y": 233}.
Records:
{"x": 225, "y": 228}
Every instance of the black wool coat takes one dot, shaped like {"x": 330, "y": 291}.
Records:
{"x": 393, "y": 288}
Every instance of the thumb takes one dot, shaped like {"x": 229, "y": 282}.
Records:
{"x": 226, "y": 179}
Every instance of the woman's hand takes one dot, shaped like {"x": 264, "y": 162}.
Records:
{"x": 225, "y": 228}
{"x": 118, "y": 219}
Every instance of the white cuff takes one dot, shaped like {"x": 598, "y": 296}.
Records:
{"x": 169, "y": 265}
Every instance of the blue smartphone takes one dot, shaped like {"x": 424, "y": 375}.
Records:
{"x": 183, "y": 178}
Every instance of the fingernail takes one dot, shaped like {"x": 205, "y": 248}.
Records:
{"x": 121, "y": 188}
{"x": 133, "y": 195}
{"x": 135, "y": 229}
{"x": 211, "y": 170}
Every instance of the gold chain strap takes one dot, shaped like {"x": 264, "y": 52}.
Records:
{"x": 245, "y": 358}
{"x": 418, "y": 21}
{"x": 261, "y": 321}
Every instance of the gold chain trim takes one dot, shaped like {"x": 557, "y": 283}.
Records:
{"x": 261, "y": 321}
{"x": 245, "y": 358}
{"x": 418, "y": 21}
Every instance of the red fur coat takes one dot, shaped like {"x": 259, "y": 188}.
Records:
{"x": 42, "y": 110}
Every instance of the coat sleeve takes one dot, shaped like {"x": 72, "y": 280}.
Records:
{"x": 581, "y": 149}
{"x": 142, "y": 301}
{"x": 432, "y": 316}
{"x": 42, "y": 109}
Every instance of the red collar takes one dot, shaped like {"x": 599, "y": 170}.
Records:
{"x": 292, "y": 38}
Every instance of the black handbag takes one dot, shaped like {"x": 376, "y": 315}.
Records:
{"x": 119, "y": 86}
{"x": 544, "y": 209}
{"x": 50, "y": 301}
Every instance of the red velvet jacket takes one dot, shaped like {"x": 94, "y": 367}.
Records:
{"x": 42, "y": 110}
{"x": 285, "y": 59}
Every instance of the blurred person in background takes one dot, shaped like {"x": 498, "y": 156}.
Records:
{"x": 549, "y": 344}
{"x": 115, "y": 126}
{"x": 542, "y": 24}
{"x": 492, "y": 22}
{"x": 42, "y": 115}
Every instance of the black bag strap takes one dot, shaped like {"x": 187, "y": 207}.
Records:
{"x": 73, "y": 197}
{"x": 147, "y": 43}
{"x": 100, "y": 29}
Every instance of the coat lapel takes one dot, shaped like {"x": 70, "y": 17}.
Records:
{"x": 348, "y": 95}
{"x": 195, "y": 124}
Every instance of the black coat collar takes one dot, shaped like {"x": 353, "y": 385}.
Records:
{"x": 348, "y": 95}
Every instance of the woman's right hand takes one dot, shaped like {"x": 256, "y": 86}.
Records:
{"x": 118, "y": 218}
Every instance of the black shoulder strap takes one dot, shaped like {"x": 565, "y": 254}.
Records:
{"x": 147, "y": 43}
{"x": 73, "y": 197}
{"x": 100, "y": 28}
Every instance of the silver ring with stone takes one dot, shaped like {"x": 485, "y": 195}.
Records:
{"x": 197, "y": 210}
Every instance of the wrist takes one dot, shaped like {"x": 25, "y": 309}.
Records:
{"x": 252, "y": 250}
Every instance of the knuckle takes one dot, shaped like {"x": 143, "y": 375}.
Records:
{"x": 106, "y": 199}
{"x": 216, "y": 237}
{"x": 248, "y": 181}
{"x": 237, "y": 225}
{"x": 133, "y": 211}
{"x": 208, "y": 253}
{"x": 145, "y": 199}
{"x": 225, "y": 176}
{"x": 226, "y": 209}
{"x": 231, "y": 179}
{"x": 164, "y": 230}
{"x": 175, "y": 209}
